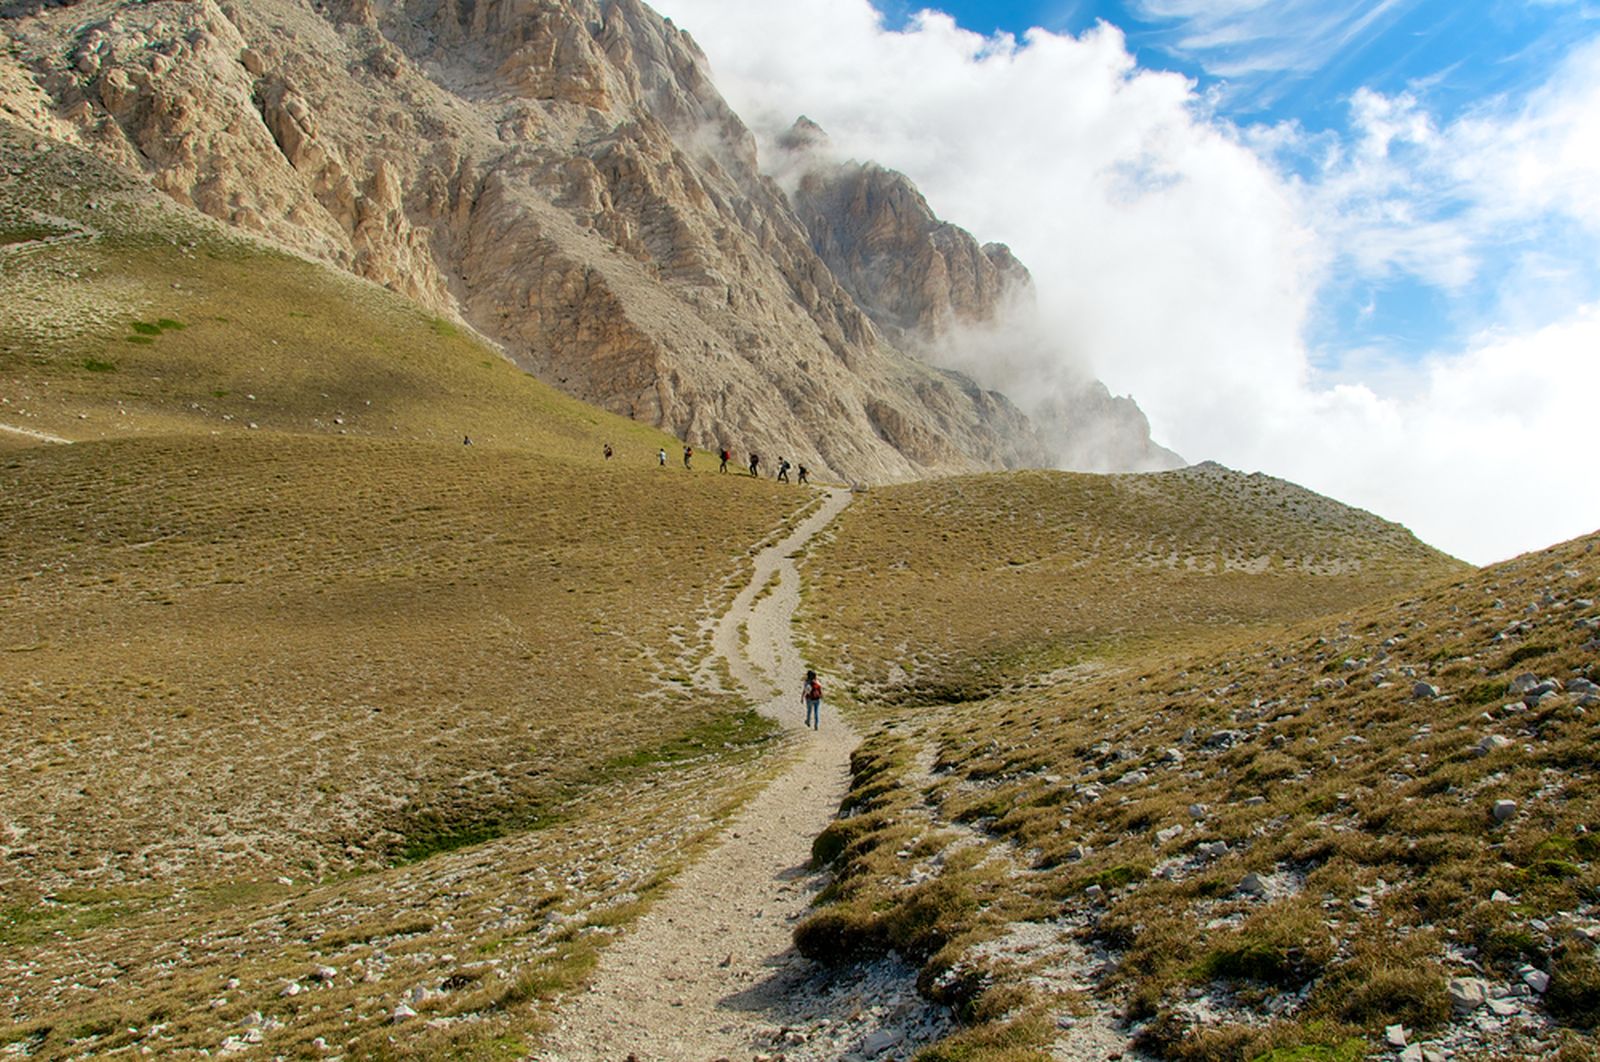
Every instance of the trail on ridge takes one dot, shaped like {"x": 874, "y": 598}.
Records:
{"x": 710, "y": 971}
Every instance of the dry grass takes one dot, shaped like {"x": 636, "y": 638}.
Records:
{"x": 294, "y": 679}
{"x": 1303, "y": 756}
{"x": 948, "y": 590}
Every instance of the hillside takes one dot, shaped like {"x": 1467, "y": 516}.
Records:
{"x": 295, "y": 681}
{"x": 563, "y": 177}
{"x": 330, "y": 735}
{"x": 948, "y": 589}
{"x": 1295, "y": 840}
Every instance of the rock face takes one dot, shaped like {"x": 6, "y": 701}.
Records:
{"x": 917, "y": 277}
{"x": 563, "y": 176}
{"x": 935, "y": 291}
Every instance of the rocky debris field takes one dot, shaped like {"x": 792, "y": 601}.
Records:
{"x": 1372, "y": 832}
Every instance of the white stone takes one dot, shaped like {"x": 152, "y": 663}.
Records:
{"x": 1394, "y": 1035}
{"x": 1504, "y": 809}
{"x": 1467, "y": 994}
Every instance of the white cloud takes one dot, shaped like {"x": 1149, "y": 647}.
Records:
{"x": 1240, "y": 38}
{"x": 1179, "y": 262}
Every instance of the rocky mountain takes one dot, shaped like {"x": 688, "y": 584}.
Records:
{"x": 563, "y": 176}
{"x": 936, "y": 292}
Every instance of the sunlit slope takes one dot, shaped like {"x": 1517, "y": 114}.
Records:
{"x": 293, "y": 680}
{"x": 1293, "y": 839}
{"x": 943, "y": 588}
{"x": 124, "y": 315}
{"x": 268, "y": 593}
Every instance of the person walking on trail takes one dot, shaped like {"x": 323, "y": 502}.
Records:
{"x": 688, "y": 452}
{"x": 755, "y": 464}
{"x": 661, "y": 457}
{"x": 811, "y": 694}
{"x": 725, "y": 455}
{"x": 802, "y": 477}
{"x": 783, "y": 471}
{"x": 608, "y": 451}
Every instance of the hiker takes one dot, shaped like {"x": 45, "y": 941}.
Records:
{"x": 802, "y": 477}
{"x": 783, "y": 471}
{"x": 688, "y": 452}
{"x": 608, "y": 451}
{"x": 755, "y": 464}
{"x": 725, "y": 455}
{"x": 466, "y": 440}
{"x": 661, "y": 457}
{"x": 811, "y": 694}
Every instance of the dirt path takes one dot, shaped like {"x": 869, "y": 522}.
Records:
{"x": 710, "y": 972}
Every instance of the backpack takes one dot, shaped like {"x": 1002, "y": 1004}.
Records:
{"x": 814, "y": 690}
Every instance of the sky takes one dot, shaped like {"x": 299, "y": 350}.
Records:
{"x": 1353, "y": 244}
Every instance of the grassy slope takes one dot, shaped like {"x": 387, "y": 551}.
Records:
{"x": 268, "y": 621}
{"x": 1365, "y": 808}
{"x": 946, "y": 590}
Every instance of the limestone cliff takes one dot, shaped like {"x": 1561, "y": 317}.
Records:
{"x": 936, "y": 292}
{"x": 560, "y": 174}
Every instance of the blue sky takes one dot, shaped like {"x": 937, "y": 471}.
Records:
{"x": 1292, "y": 59}
{"x": 1351, "y": 243}
{"x": 1270, "y": 62}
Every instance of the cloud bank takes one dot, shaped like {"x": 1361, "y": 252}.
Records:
{"x": 1181, "y": 259}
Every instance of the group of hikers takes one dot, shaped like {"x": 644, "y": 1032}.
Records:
{"x": 802, "y": 475}
{"x": 811, "y": 689}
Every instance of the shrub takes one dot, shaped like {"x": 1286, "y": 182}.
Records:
{"x": 840, "y": 935}
{"x": 929, "y": 915}
{"x": 1574, "y": 995}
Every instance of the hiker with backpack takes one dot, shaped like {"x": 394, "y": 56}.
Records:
{"x": 783, "y": 471}
{"x": 755, "y": 464}
{"x": 725, "y": 455}
{"x": 802, "y": 480}
{"x": 811, "y": 694}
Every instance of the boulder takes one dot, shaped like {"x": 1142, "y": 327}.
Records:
{"x": 1467, "y": 994}
{"x": 1491, "y": 743}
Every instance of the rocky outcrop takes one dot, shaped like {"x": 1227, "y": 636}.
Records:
{"x": 935, "y": 291}
{"x": 916, "y": 276}
{"x": 563, "y": 176}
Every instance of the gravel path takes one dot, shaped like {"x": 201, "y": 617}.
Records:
{"x": 710, "y": 972}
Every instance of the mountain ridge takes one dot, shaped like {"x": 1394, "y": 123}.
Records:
{"x": 564, "y": 177}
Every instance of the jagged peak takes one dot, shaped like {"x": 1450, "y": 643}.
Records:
{"x": 804, "y": 135}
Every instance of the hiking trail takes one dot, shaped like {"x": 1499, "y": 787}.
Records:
{"x": 710, "y": 971}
